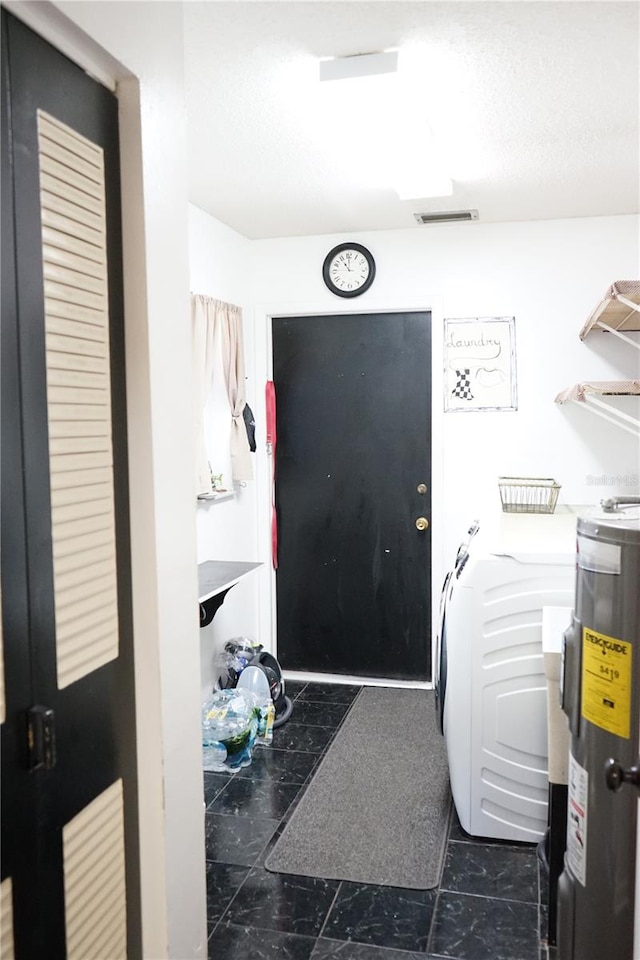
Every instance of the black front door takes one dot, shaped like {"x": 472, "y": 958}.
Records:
{"x": 70, "y": 865}
{"x": 353, "y": 489}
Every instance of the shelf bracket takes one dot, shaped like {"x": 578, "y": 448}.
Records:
{"x": 617, "y": 417}
{"x": 616, "y": 333}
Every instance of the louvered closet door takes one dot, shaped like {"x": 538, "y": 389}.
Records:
{"x": 70, "y": 872}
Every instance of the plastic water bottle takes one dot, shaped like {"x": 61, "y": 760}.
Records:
{"x": 214, "y": 755}
{"x": 271, "y": 715}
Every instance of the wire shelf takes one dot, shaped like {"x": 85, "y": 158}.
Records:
{"x": 528, "y": 494}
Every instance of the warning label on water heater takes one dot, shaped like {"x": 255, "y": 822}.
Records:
{"x": 577, "y": 820}
{"x": 606, "y": 682}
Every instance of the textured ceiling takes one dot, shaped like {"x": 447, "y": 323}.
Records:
{"x": 538, "y": 101}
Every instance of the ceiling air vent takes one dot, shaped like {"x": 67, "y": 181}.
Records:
{"x": 447, "y": 216}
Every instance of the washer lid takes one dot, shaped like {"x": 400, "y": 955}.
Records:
{"x": 533, "y": 538}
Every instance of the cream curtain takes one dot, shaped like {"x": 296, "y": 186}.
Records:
{"x": 230, "y": 319}
{"x": 212, "y": 319}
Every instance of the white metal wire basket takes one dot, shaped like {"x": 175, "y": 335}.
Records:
{"x": 528, "y": 494}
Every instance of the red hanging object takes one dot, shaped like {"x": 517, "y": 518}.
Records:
{"x": 270, "y": 398}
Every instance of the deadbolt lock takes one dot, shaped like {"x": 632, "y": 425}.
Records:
{"x": 422, "y": 523}
{"x": 422, "y": 488}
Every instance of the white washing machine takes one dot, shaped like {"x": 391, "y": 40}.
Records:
{"x": 490, "y": 681}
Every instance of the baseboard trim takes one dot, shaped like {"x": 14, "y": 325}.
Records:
{"x": 300, "y": 677}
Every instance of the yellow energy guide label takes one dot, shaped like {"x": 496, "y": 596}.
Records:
{"x": 606, "y": 682}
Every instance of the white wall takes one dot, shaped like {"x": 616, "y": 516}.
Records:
{"x": 220, "y": 267}
{"x": 144, "y": 44}
{"x": 549, "y": 275}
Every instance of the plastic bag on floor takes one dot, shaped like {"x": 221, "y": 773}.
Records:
{"x": 255, "y": 680}
{"x": 237, "y": 654}
{"x": 230, "y": 721}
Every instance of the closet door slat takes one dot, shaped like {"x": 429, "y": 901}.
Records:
{"x": 94, "y": 879}
{"x": 58, "y": 240}
{"x": 77, "y": 346}
{"x": 7, "y": 950}
{"x": 71, "y": 320}
{"x": 72, "y": 196}
{"x": 71, "y": 227}
{"x": 56, "y": 187}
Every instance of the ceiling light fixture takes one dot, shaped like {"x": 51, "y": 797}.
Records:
{"x": 360, "y": 65}
{"x": 376, "y": 118}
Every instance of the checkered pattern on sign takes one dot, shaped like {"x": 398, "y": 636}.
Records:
{"x": 462, "y": 388}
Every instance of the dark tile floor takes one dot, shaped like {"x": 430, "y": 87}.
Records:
{"x": 486, "y": 907}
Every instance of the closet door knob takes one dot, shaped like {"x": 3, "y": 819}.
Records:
{"x": 422, "y": 523}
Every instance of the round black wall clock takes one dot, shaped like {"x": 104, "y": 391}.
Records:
{"x": 349, "y": 269}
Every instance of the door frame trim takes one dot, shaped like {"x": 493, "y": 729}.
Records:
{"x": 263, "y": 327}
{"x": 61, "y": 33}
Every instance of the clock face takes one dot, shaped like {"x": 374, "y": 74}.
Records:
{"x": 349, "y": 269}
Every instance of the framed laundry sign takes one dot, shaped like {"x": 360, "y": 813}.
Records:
{"x": 480, "y": 364}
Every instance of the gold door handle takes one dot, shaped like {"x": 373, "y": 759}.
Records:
{"x": 422, "y": 523}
